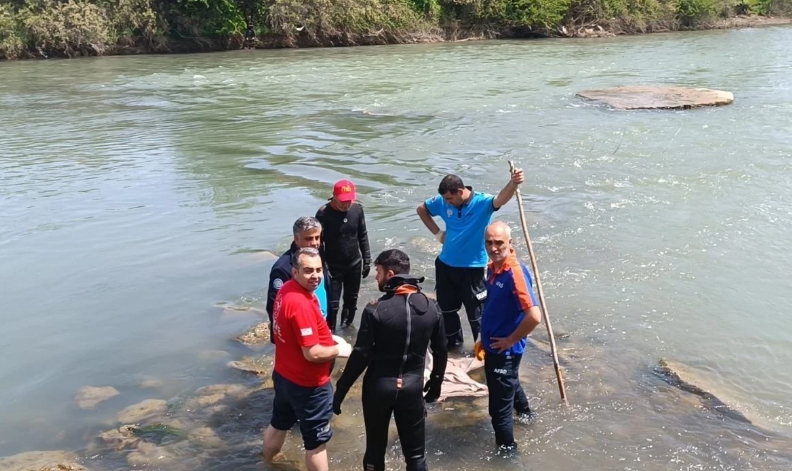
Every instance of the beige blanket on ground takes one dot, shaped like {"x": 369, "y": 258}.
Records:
{"x": 456, "y": 382}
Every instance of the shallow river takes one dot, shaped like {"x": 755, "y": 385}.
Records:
{"x": 139, "y": 192}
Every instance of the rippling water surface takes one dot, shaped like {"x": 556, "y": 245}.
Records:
{"x": 137, "y": 191}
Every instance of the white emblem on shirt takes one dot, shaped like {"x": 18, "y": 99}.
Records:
{"x": 306, "y": 332}
{"x": 450, "y": 212}
{"x": 277, "y": 283}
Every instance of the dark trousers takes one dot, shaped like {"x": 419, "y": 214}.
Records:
{"x": 505, "y": 395}
{"x": 346, "y": 279}
{"x": 456, "y": 287}
{"x": 381, "y": 399}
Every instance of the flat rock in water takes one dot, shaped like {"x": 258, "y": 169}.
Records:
{"x": 657, "y": 97}
{"x": 89, "y": 396}
{"x": 258, "y": 334}
{"x": 41, "y": 461}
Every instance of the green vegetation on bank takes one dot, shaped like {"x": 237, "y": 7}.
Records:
{"x": 58, "y": 28}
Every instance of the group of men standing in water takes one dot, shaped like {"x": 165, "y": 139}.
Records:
{"x": 477, "y": 268}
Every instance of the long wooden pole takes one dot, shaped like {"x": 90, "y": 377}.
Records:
{"x": 542, "y": 303}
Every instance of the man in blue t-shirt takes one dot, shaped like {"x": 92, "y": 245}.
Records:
{"x": 459, "y": 269}
{"x": 511, "y": 313}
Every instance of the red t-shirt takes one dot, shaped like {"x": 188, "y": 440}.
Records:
{"x": 297, "y": 322}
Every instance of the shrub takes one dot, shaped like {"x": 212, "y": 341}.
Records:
{"x": 12, "y": 45}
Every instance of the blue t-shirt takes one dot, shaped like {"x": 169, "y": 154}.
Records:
{"x": 465, "y": 227}
{"x": 509, "y": 296}
{"x": 321, "y": 295}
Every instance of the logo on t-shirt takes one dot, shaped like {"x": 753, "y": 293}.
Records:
{"x": 277, "y": 283}
{"x": 306, "y": 332}
{"x": 450, "y": 212}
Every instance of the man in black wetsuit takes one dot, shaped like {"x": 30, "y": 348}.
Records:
{"x": 395, "y": 332}
{"x": 346, "y": 250}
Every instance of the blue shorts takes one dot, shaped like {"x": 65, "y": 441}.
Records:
{"x": 311, "y": 407}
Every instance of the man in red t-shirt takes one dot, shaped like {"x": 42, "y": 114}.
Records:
{"x": 304, "y": 351}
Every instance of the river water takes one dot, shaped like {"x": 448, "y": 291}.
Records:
{"x": 138, "y": 192}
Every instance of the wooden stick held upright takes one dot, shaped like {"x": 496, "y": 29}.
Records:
{"x": 542, "y": 303}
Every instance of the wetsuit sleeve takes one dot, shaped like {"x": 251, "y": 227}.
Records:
{"x": 360, "y": 356}
{"x": 439, "y": 344}
{"x": 434, "y": 205}
{"x": 365, "y": 249}
{"x": 277, "y": 277}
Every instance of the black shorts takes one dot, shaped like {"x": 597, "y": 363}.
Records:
{"x": 312, "y": 407}
{"x": 457, "y": 286}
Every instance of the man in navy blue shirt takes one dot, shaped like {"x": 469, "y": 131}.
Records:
{"x": 307, "y": 233}
{"x": 459, "y": 269}
{"x": 510, "y": 314}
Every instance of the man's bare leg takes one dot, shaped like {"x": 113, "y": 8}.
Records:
{"x": 316, "y": 459}
{"x": 273, "y": 442}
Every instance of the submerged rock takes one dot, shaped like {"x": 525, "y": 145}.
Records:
{"x": 714, "y": 397}
{"x": 258, "y": 334}
{"x": 213, "y": 399}
{"x": 258, "y": 365}
{"x": 235, "y": 312}
{"x": 89, "y": 396}
{"x": 42, "y": 461}
{"x": 213, "y": 355}
{"x": 159, "y": 433}
{"x": 150, "y": 455}
{"x": 657, "y": 97}
{"x": 205, "y": 437}
{"x": 150, "y": 382}
{"x": 142, "y": 410}
{"x": 121, "y": 438}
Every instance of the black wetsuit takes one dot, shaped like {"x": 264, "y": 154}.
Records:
{"x": 347, "y": 253}
{"x": 392, "y": 345}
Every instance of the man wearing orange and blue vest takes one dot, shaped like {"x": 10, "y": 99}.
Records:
{"x": 510, "y": 314}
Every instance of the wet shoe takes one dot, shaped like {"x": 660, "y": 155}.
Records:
{"x": 508, "y": 451}
{"x": 526, "y": 418}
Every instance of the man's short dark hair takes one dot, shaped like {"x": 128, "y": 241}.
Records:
{"x": 450, "y": 184}
{"x": 394, "y": 260}
{"x": 305, "y": 251}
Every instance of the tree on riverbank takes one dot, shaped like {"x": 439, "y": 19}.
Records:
{"x": 69, "y": 28}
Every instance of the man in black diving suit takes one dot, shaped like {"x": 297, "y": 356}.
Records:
{"x": 346, "y": 249}
{"x": 395, "y": 333}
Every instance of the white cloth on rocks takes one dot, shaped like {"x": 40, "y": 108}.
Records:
{"x": 457, "y": 382}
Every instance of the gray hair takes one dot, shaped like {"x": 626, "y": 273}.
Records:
{"x": 305, "y": 223}
{"x": 305, "y": 251}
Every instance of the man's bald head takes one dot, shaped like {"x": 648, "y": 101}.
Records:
{"x": 498, "y": 241}
{"x": 500, "y": 228}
